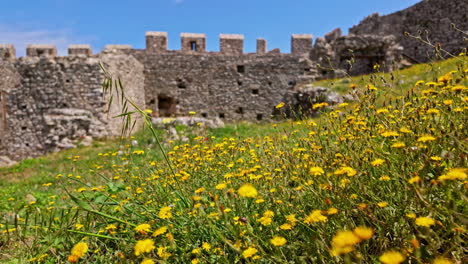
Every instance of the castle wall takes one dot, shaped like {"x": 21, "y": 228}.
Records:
{"x": 216, "y": 85}
{"x": 433, "y": 16}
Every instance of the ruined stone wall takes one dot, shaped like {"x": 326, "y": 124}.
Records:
{"x": 217, "y": 85}
{"x": 50, "y": 103}
{"x": 433, "y": 16}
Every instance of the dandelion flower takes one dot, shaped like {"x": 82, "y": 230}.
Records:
{"x": 454, "y": 174}
{"x": 392, "y": 257}
{"x": 143, "y": 228}
{"x": 314, "y": 217}
{"x": 382, "y": 204}
{"x": 147, "y": 261}
{"x": 425, "y": 221}
{"x": 280, "y": 105}
{"x": 80, "y": 249}
{"x": 249, "y": 252}
{"x": 160, "y": 231}
{"x": 364, "y": 233}
{"x": 278, "y": 241}
{"x": 426, "y": 138}
{"x": 144, "y": 246}
{"x": 377, "y": 162}
{"x": 247, "y": 190}
{"x": 316, "y": 171}
{"x": 162, "y": 252}
{"x": 165, "y": 212}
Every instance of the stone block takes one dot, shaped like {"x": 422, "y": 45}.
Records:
{"x": 301, "y": 44}
{"x": 7, "y": 52}
{"x": 118, "y": 48}
{"x": 193, "y": 42}
{"x": 80, "y": 50}
{"x": 231, "y": 44}
{"x": 39, "y": 50}
{"x": 156, "y": 41}
{"x": 261, "y": 46}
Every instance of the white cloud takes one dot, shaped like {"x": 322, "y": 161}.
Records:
{"x": 21, "y": 37}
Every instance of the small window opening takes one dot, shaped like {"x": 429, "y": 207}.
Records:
{"x": 259, "y": 117}
{"x": 239, "y": 83}
{"x": 291, "y": 83}
{"x": 152, "y": 101}
{"x": 240, "y": 110}
{"x": 324, "y": 72}
{"x": 181, "y": 84}
{"x": 255, "y": 91}
{"x": 67, "y": 80}
{"x": 24, "y": 128}
{"x": 221, "y": 115}
{"x": 193, "y": 45}
{"x": 240, "y": 68}
{"x": 40, "y": 52}
{"x": 307, "y": 70}
{"x": 270, "y": 83}
{"x": 205, "y": 115}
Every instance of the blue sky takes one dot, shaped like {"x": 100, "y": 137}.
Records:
{"x": 101, "y": 22}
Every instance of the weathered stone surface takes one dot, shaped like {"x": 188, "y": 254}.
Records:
{"x": 299, "y": 103}
{"x": 432, "y": 16}
{"x": 356, "y": 54}
{"x": 6, "y": 162}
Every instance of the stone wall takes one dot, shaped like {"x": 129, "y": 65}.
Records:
{"x": 50, "y": 103}
{"x": 222, "y": 86}
{"x": 433, "y": 16}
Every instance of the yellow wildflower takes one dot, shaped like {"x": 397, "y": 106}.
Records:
{"x": 247, "y": 190}
{"x": 144, "y": 246}
{"x": 377, "y": 162}
{"x": 143, "y": 228}
{"x": 249, "y": 252}
{"x": 79, "y": 249}
{"x": 160, "y": 231}
{"x": 426, "y": 138}
{"x": 392, "y": 257}
{"x": 425, "y": 221}
{"x": 147, "y": 261}
{"x": 314, "y": 217}
{"x": 278, "y": 241}
{"x": 316, "y": 171}
{"x": 162, "y": 252}
{"x": 454, "y": 174}
{"x": 165, "y": 212}
{"x": 364, "y": 233}
{"x": 280, "y": 105}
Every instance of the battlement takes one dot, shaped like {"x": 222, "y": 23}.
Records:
{"x": 301, "y": 44}
{"x": 193, "y": 42}
{"x": 7, "y": 52}
{"x": 232, "y": 44}
{"x": 41, "y": 50}
{"x": 80, "y": 50}
{"x": 156, "y": 41}
{"x": 118, "y": 48}
{"x": 261, "y": 46}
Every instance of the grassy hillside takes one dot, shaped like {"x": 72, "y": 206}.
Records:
{"x": 382, "y": 179}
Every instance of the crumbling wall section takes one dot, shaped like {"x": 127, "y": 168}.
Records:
{"x": 57, "y": 100}
{"x": 433, "y": 16}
